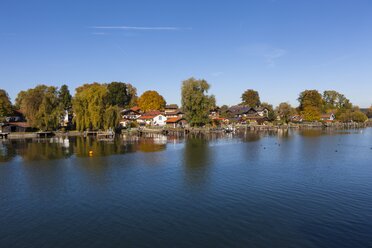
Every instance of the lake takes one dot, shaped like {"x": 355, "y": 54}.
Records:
{"x": 288, "y": 189}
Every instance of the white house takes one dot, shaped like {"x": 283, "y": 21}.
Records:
{"x": 154, "y": 118}
{"x": 159, "y": 120}
{"x": 328, "y": 117}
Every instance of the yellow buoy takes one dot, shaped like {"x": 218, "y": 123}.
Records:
{"x": 90, "y": 153}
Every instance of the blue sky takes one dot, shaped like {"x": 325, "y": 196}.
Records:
{"x": 278, "y": 47}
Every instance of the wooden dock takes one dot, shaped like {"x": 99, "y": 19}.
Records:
{"x": 102, "y": 135}
{"x": 90, "y": 133}
{"x": 44, "y": 134}
{"x": 109, "y": 135}
{"x": 4, "y": 135}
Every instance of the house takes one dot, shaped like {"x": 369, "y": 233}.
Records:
{"x": 9, "y": 127}
{"x": 262, "y": 111}
{"x": 171, "y": 108}
{"x": 16, "y": 122}
{"x": 136, "y": 108}
{"x": 152, "y": 118}
{"x": 328, "y": 117}
{"x": 16, "y": 116}
{"x": 296, "y": 118}
{"x": 159, "y": 120}
{"x": 176, "y": 122}
{"x": 241, "y": 111}
{"x": 218, "y": 121}
{"x": 214, "y": 113}
{"x": 244, "y": 114}
{"x": 128, "y": 116}
{"x": 66, "y": 119}
{"x": 174, "y": 114}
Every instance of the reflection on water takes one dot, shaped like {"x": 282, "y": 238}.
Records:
{"x": 197, "y": 159}
{"x": 59, "y": 148}
{"x": 63, "y": 147}
{"x": 253, "y": 189}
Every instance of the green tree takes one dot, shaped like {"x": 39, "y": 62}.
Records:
{"x": 352, "y": 115}
{"x": 5, "y": 104}
{"x": 132, "y": 92}
{"x": 151, "y": 100}
{"x": 343, "y": 102}
{"x": 311, "y": 105}
{"x": 49, "y": 114}
{"x": 359, "y": 116}
{"x": 224, "y": 111}
{"x": 369, "y": 112}
{"x": 20, "y": 97}
{"x": 334, "y": 100}
{"x": 121, "y": 94}
{"x": 330, "y": 98}
{"x": 251, "y": 98}
{"x": 310, "y": 98}
{"x": 195, "y": 103}
{"x": 111, "y": 117}
{"x": 65, "y": 98}
{"x": 285, "y": 111}
{"x": 41, "y": 107}
{"x": 89, "y": 105}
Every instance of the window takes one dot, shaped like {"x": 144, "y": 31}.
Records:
{"x": 160, "y": 118}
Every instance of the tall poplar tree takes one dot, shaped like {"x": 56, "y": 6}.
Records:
{"x": 5, "y": 104}
{"x": 195, "y": 103}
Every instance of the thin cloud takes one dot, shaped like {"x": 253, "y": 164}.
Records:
{"x": 266, "y": 52}
{"x": 273, "y": 54}
{"x": 140, "y": 28}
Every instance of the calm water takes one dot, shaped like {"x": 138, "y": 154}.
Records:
{"x": 297, "y": 189}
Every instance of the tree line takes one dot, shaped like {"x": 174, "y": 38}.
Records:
{"x": 98, "y": 105}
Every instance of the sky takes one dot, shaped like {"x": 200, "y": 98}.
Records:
{"x": 277, "y": 47}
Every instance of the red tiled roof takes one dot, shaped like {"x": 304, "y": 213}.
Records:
{"x": 146, "y": 117}
{"x": 174, "y": 120}
{"x": 135, "y": 108}
{"x": 152, "y": 113}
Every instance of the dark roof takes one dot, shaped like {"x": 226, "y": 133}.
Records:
{"x": 239, "y": 110}
{"x": 364, "y": 110}
{"x": 171, "y": 106}
{"x": 174, "y": 112}
{"x": 127, "y": 111}
{"x": 261, "y": 108}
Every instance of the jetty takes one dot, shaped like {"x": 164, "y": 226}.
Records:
{"x": 102, "y": 135}
{"x": 3, "y": 135}
{"x": 107, "y": 135}
{"x": 44, "y": 134}
{"x": 90, "y": 133}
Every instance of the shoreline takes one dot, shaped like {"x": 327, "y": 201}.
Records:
{"x": 196, "y": 131}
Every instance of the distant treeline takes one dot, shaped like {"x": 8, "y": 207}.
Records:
{"x": 98, "y": 105}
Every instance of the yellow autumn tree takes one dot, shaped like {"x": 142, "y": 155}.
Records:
{"x": 151, "y": 100}
{"x": 311, "y": 113}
